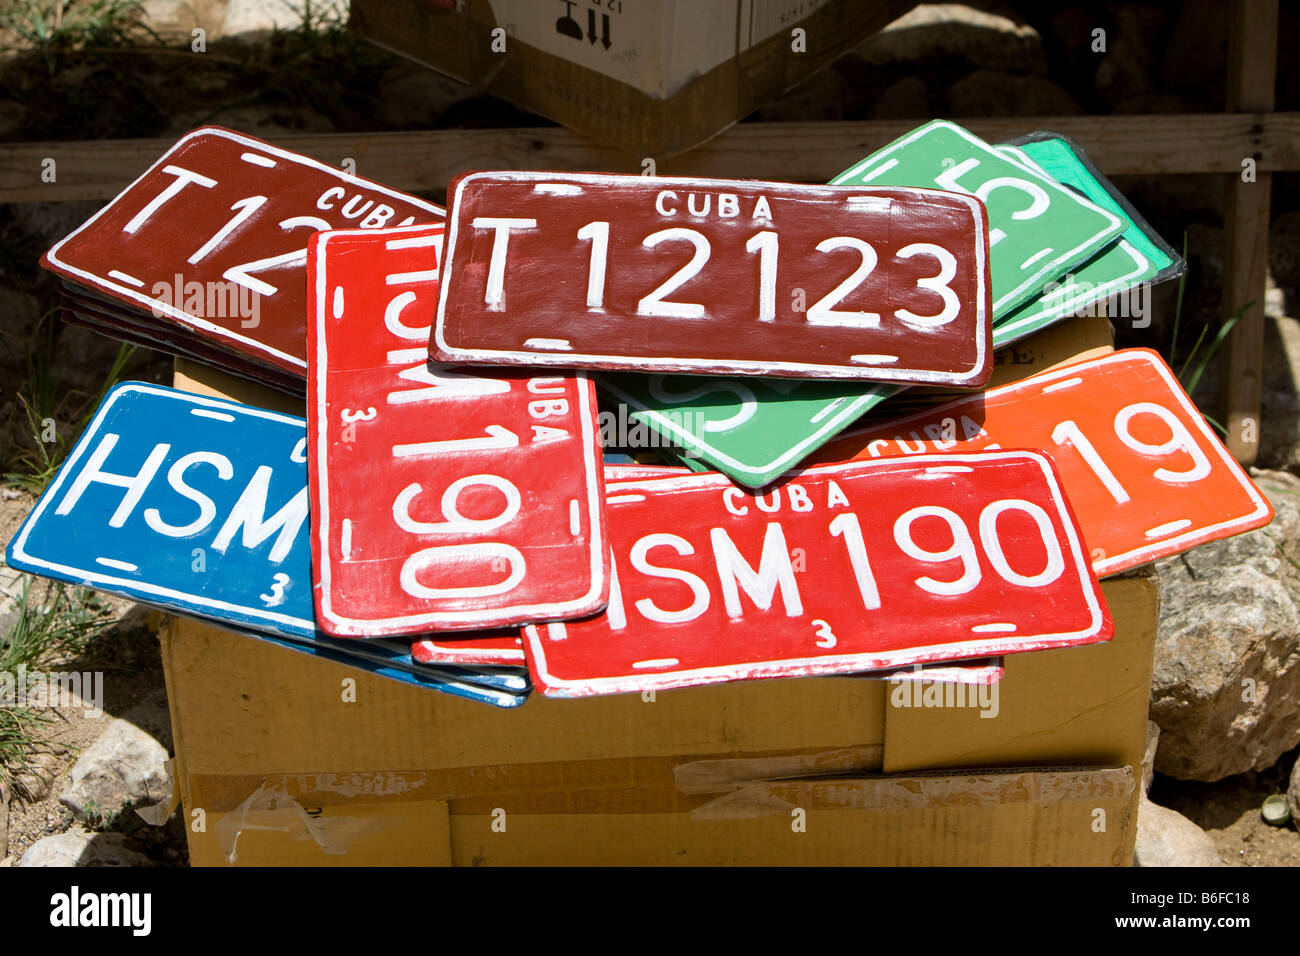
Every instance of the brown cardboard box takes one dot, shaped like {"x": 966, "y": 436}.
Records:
{"x": 281, "y": 769}
{"x": 274, "y": 765}
{"x": 655, "y": 79}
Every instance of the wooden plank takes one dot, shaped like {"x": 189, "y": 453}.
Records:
{"x": 794, "y": 152}
{"x": 1252, "y": 72}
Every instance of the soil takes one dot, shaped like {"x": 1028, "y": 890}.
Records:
{"x": 127, "y": 653}
{"x": 1229, "y": 812}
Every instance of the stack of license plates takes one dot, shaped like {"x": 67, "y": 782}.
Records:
{"x": 457, "y": 508}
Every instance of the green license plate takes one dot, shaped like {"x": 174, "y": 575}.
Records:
{"x": 1139, "y": 256}
{"x": 1038, "y": 229}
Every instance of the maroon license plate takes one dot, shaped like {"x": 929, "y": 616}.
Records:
{"x": 213, "y": 237}
{"x": 440, "y": 500}
{"x": 716, "y": 276}
{"x": 842, "y": 569}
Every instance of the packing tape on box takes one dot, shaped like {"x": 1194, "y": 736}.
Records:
{"x": 328, "y": 808}
{"x": 715, "y": 776}
{"x": 270, "y": 807}
{"x": 921, "y": 791}
{"x": 223, "y": 793}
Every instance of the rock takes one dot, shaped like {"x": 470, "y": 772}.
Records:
{"x": 172, "y": 19}
{"x": 124, "y": 767}
{"x": 954, "y": 32}
{"x": 4, "y": 818}
{"x": 48, "y": 222}
{"x": 1167, "y": 838}
{"x": 262, "y": 121}
{"x": 1196, "y": 56}
{"x": 1279, "y": 425}
{"x": 34, "y": 780}
{"x": 827, "y": 95}
{"x": 13, "y": 118}
{"x": 81, "y": 847}
{"x": 906, "y": 99}
{"x": 1284, "y": 249}
{"x": 1132, "y": 56}
{"x": 1226, "y": 685}
{"x": 81, "y": 359}
{"x": 414, "y": 96}
{"x": 18, "y": 311}
{"x": 250, "y": 19}
{"x": 1149, "y": 755}
{"x": 995, "y": 93}
{"x": 1293, "y": 793}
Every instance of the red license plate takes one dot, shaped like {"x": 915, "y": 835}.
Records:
{"x": 213, "y": 237}
{"x": 500, "y": 651}
{"x": 716, "y": 276}
{"x": 441, "y": 500}
{"x": 1145, "y": 475}
{"x": 842, "y": 569}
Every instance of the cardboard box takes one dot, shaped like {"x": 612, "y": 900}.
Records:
{"x": 275, "y": 764}
{"x": 654, "y": 79}
{"x": 282, "y": 769}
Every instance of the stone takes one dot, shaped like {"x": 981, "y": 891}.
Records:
{"x": 251, "y": 18}
{"x": 266, "y": 122}
{"x": 1226, "y": 684}
{"x": 1167, "y": 838}
{"x": 1284, "y": 249}
{"x": 4, "y": 818}
{"x": 18, "y": 310}
{"x": 1149, "y": 755}
{"x": 48, "y": 222}
{"x": 82, "y": 847}
{"x": 825, "y": 96}
{"x": 33, "y": 781}
{"x": 126, "y": 766}
{"x": 997, "y": 93}
{"x": 954, "y": 32}
{"x": 906, "y": 99}
{"x": 1293, "y": 794}
{"x": 1128, "y": 67}
{"x": 412, "y": 96}
{"x": 13, "y": 118}
{"x": 1196, "y": 56}
{"x": 1279, "y": 420}
{"x": 173, "y": 19}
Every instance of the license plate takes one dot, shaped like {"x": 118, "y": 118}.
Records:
{"x": 1038, "y": 229}
{"x": 1139, "y": 256}
{"x": 213, "y": 237}
{"x": 484, "y": 650}
{"x": 842, "y": 569}
{"x": 194, "y": 504}
{"x": 441, "y": 500}
{"x": 1145, "y": 475}
{"x": 502, "y": 689}
{"x": 78, "y": 312}
{"x": 715, "y": 276}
